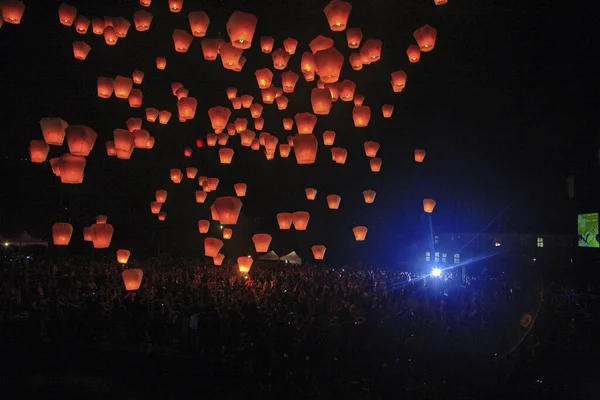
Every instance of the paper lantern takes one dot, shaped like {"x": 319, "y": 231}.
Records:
{"x": 387, "y": 110}
{"x": 111, "y": 150}
{"x": 428, "y": 205}
{"x": 98, "y": 26}
{"x": 212, "y": 246}
{"x": 150, "y": 143}
{"x": 175, "y": 5}
{"x": 425, "y": 37}
{"x": 132, "y": 278}
{"x": 201, "y": 196}
{"x": 61, "y": 233}
{"x": 151, "y": 114}
{"x": 320, "y": 43}
{"x": 190, "y": 172}
{"x": 142, "y": 20}
{"x": 360, "y": 232}
{"x": 121, "y": 26}
{"x": 211, "y": 139}
{"x": 176, "y": 175}
{"x": 347, "y": 89}
{"x": 262, "y": 241}
{"x": 199, "y": 143}
{"x": 256, "y": 110}
{"x": 288, "y": 124}
{"x": 218, "y": 260}
{"x": 419, "y": 155}
{"x": 305, "y": 148}
{"x": 414, "y": 53}
{"x": 320, "y": 100}
{"x": 328, "y": 138}
{"x": 53, "y": 130}
{"x": 87, "y": 234}
{"x": 371, "y": 149}
{"x": 161, "y": 63}
{"x": 259, "y": 123}
{"x": 375, "y": 164}
{"x": 361, "y": 116}
{"x": 318, "y": 251}
{"x": 247, "y": 137}
{"x": 231, "y": 93}
{"x": 12, "y": 12}
{"x": 240, "y": 124}
{"x": 155, "y": 207}
{"x": 398, "y": 81}
{"x": 81, "y": 50}
{"x": 227, "y": 233}
{"x": 240, "y": 189}
{"x": 38, "y": 151}
{"x": 244, "y": 264}
{"x": 240, "y": 28}
{"x": 358, "y": 99}
{"x": 264, "y": 77}
{"x": 133, "y": 124}
{"x": 290, "y": 45}
{"x": 102, "y": 235}
{"x": 101, "y": 219}
{"x": 282, "y": 102}
{"x": 123, "y": 256}
{"x": 140, "y": 138}
{"x": 371, "y": 50}
{"x": 268, "y": 95}
{"x": 219, "y": 116}
{"x": 284, "y": 220}
{"x": 280, "y": 59}
{"x": 187, "y": 108}
{"x": 354, "y": 37}
{"x": 355, "y": 61}
{"x": 135, "y": 98}
{"x": 122, "y": 86}
{"x": 226, "y": 155}
{"x": 80, "y": 139}
{"x": 334, "y": 90}
{"x": 333, "y": 201}
{"x": 337, "y": 13}
{"x": 222, "y": 139}
{"x": 305, "y": 123}
{"x": 284, "y": 150}
{"x": 181, "y": 40}
{"x": 164, "y": 117}
{"x": 247, "y": 100}
{"x": 203, "y": 226}
{"x": 66, "y": 14}
{"x": 199, "y": 22}
{"x": 300, "y": 220}
{"x": 329, "y": 64}
{"x": 228, "y": 209}
{"x": 105, "y": 87}
{"x": 266, "y": 44}
{"x": 255, "y": 144}
{"x": 369, "y": 196}
{"x": 161, "y": 196}
{"x": 162, "y": 216}
{"x": 210, "y": 49}
{"x": 339, "y": 155}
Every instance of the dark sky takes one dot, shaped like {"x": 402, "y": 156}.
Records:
{"x": 505, "y": 107}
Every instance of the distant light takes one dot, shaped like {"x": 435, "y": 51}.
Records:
{"x": 497, "y": 244}
{"x": 6, "y": 244}
{"x": 534, "y": 259}
{"x": 436, "y": 272}
{"x": 221, "y": 226}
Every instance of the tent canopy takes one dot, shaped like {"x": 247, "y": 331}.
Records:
{"x": 292, "y": 258}
{"x": 22, "y": 240}
{"x": 270, "y": 256}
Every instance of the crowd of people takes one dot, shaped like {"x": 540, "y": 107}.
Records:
{"x": 296, "y": 330}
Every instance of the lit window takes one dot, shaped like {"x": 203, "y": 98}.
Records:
{"x": 437, "y": 240}
{"x": 444, "y": 256}
{"x": 427, "y": 256}
{"x": 540, "y": 242}
{"x": 456, "y": 258}
{"x": 436, "y": 256}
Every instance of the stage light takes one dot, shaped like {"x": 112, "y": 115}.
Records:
{"x": 436, "y": 272}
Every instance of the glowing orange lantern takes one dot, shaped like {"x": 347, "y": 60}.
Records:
{"x": 259, "y": 123}
{"x": 161, "y": 196}
{"x": 123, "y": 86}
{"x": 201, "y": 196}
{"x": 98, "y": 26}
{"x": 264, "y": 77}
{"x": 135, "y": 98}
{"x": 354, "y": 37}
{"x": 440, "y": 2}
{"x": 280, "y": 59}
{"x": 231, "y": 93}
{"x": 284, "y": 150}
{"x": 419, "y": 155}
{"x": 219, "y": 116}
{"x": 164, "y": 117}
{"x": 211, "y": 139}
{"x": 61, "y": 233}
{"x": 268, "y": 95}
{"x": 137, "y": 76}
{"x": 266, "y": 44}
{"x": 320, "y": 43}
{"x": 66, "y": 14}
{"x": 284, "y": 220}
{"x": 190, "y": 172}
{"x": 155, "y": 207}
{"x": 240, "y": 28}
{"x": 140, "y": 138}
{"x": 81, "y": 139}
{"x": 210, "y": 49}
{"x": 38, "y": 151}
{"x": 132, "y": 278}
{"x": 255, "y": 144}
{"x": 339, "y": 155}
{"x": 425, "y": 37}
{"x": 226, "y": 155}
{"x": 181, "y": 40}
{"x": 321, "y": 102}
{"x": 199, "y": 22}
{"x": 87, "y": 233}
{"x": 53, "y": 130}
{"x": 212, "y": 246}
{"x": 355, "y": 61}
{"x": 282, "y": 102}
{"x": 358, "y": 99}
{"x": 428, "y": 205}
{"x": 244, "y": 264}
{"x": 121, "y": 26}
{"x": 151, "y": 114}
{"x": 101, "y": 219}
{"x": 161, "y": 63}
{"x": 262, "y": 241}
{"x": 12, "y": 12}
{"x": 102, "y": 235}
{"x": 227, "y": 233}
{"x": 218, "y": 260}
{"x": 371, "y": 149}
{"x": 328, "y": 138}
{"x": 247, "y": 137}
{"x": 398, "y": 81}
{"x": 288, "y": 123}
{"x": 318, "y": 251}
{"x": 347, "y": 89}
{"x": 176, "y": 175}
{"x": 236, "y": 103}
{"x": 360, "y": 232}
{"x": 105, "y": 87}
{"x": 369, "y": 196}
{"x": 240, "y": 124}
{"x": 414, "y": 53}
{"x": 247, "y": 100}
{"x": 300, "y": 220}
{"x": 142, "y": 20}
{"x": 333, "y": 201}
{"x": 290, "y": 45}
{"x": 305, "y": 148}
{"x": 334, "y": 90}
{"x": 256, "y": 110}
{"x": 187, "y": 108}
{"x": 375, "y": 164}
{"x": 387, "y": 110}
{"x": 162, "y": 216}
{"x": 305, "y": 123}
{"x": 240, "y": 189}
{"x": 329, "y": 64}
{"x": 82, "y": 24}
{"x": 361, "y": 115}
{"x": 371, "y": 50}
{"x": 228, "y": 209}
{"x": 123, "y": 256}
{"x": 175, "y": 5}
{"x": 203, "y": 226}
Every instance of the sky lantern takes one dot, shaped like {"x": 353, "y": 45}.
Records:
{"x": 230, "y": 55}
{"x": 290, "y": 45}
{"x": 211, "y": 139}
{"x": 125, "y": 154}
{"x": 269, "y": 156}
{"x": 203, "y": 226}
{"x": 375, "y": 164}
{"x": 133, "y": 124}
{"x": 123, "y": 86}
{"x": 236, "y": 103}
{"x": 311, "y": 193}
{"x": 38, "y": 151}
{"x": 227, "y": 233}
{"x": 111, "y": 150}
{"x": 288, "y": 124}
{"x": 190, "y": 172}
{"x": 123, "y": 256}
{"x": 87, "y": 234}
{"x": 176, "y": 175}
{"x": 240, "y": 189}
{"x": 240, "y": 124}
{"x": 300, "y": 220}
{"x": 12, "y": 12}
{"x": 428, "y": 205}
{"x": 371, "y": 149}
{"x": 262, "y": 137}
{"x": 102, "y": 235}
{"x": 280, "y": 59}
{"x": 66, "y": 14}
{"x": 305, "y": 148}
{"x": 347, "y": 89}
{"x": 247, "y": 136}
{"x": 210, "y": 49}
{"x": 123, "y": 139}
{"x": 282, "y": 102}
{"x": 271, "y": 144}
{"x": 320, "y": 43}
{"x": 161, "y": 196}
{"x": 105, "y": 87}
{"x": 268, "y": 95}
{"x": 244, "y": 264}
{"x": 140, "y": 138}
{"x": 162, "y": 216}
{"x": 256, "y": 110}
{"x": 228, "y": 209}
{"x": 358, "y": 99}
{"x": 284, "y": 150}
{"x": 305, "y": 122}
{"x": 164, "y": 117}
{"x": 218, "y": 260}
{"x": 387, "y": 110}
{"x": 425, "y": 37}
{"x": 199, "y": 22}
{"x": 200, "y": 196}
{"x": 361, "y": 115}
{"x": 333, "y": 201}
{"x": 329, "y": 64}
{"x": 308, "y": 64}
{"x": 161, "y": 63}
{"x": 398, "y": 81}
{"x": 212, "y": 246}
{"x": 339, "y": 155}
{"x": 334, "y": 90}
{"x": 328, "y": 138}
{"x": 101, "y": 219}
{"x": 155, "y": 207}
{"x": 318, "y": 251}
{"x": 132, "y": 278}
{"x": 187, "y": 107}
{"x": 150, "y": 143}
{"x": 266, "y": 44}
{"x": 320, "y": 100}
{"x": 61, "y": 233}
{"x": 175, "y": 5}
{"x": 414, "y": 53}
{"x": 199, "y": 143}
{"x": 255, "y": 145}
{"x": 369, "y": 196}
{"x": 419, "y": 155}
{"x": 137, "y": 76}
{"x": 53, "y": 130}
{"x": 259, "y": 123}
{"x": 355, "y": 61}
{"x": 284, "y": 220}
{"x": 121, "y": 26}
{"x": 240, "y": 28}
{"x": 247, "y": 100}
{"x": 264, "y": 77}
{"x": 54, "y": 165}
{"x": 181, "y": 40}
{"x": 337, "y": 13}
{"x": 219, "y": 116}
{"x": 81, "y": 139}
{"x": 231, "y": 92}
{"x": 135, "y": 98}
{"x": 360, "y": 232}
{"x": 82, "y": 24}
{"x": 151, "y": 114}
{"x": 354, "y": 37}
{"x": 142, "y": 20}
{"x": 262, "y": 241}
{"x": 371, "y": 50}
{"x": 98, "y": 26}
{"x": 288, "y": 81}
{"x": 225, "y": 155}
{"x": 440, "y": 2}
{"x": 110, "y": 35}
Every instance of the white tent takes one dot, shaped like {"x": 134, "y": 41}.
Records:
{"x": 292, "y": 258}
{"x": 270, "y": 256}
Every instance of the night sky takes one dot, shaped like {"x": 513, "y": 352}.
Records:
{"x": 505, "y": 106}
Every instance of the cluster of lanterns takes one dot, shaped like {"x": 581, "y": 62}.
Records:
{"x": 323, "y": 63}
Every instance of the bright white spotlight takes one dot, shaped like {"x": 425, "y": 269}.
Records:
{"x": 436, "y": 272}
